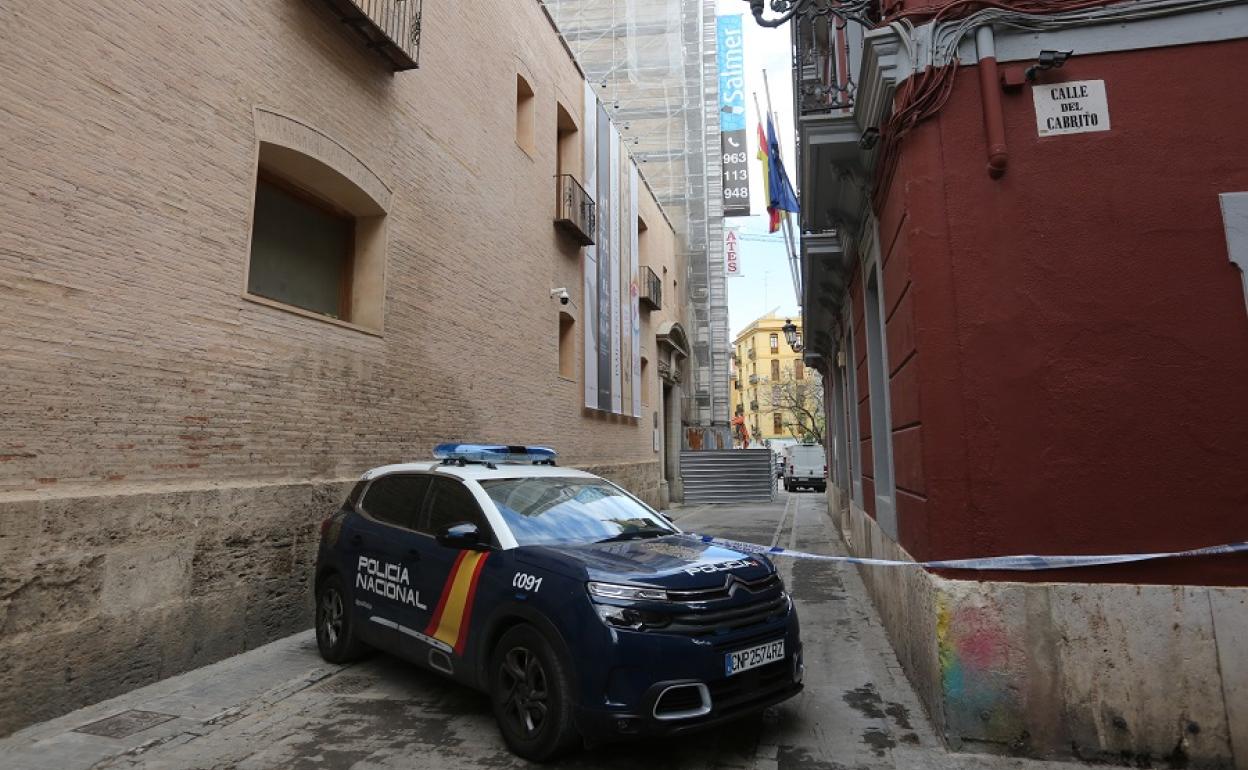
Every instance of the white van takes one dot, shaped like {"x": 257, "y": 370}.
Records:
{"x": 805, "y": 465}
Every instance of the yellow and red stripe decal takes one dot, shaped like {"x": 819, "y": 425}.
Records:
{"x": 450, "y": 618}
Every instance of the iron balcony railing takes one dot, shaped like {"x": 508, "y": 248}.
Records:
{"x": 651, "y": 289}
{"x": 754, "y": 408}
{"x": 820, "y": 52}
{"x": 753, "y": 379}
{"x": 575, "y": 212}
{"x": 389, "y": 27}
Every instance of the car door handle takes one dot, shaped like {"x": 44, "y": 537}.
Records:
{"x": 413, "y": 554}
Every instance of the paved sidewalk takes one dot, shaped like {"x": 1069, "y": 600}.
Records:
{"x": 281, "y": 706}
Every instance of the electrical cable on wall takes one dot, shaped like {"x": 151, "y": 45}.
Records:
{"x": 928, "y": 88}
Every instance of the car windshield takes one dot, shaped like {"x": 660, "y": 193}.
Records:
{"x": 560, "y": 511}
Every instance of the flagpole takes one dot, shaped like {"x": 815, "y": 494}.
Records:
{"x": 794, "y": 263}
{"x": 788, "y": 242}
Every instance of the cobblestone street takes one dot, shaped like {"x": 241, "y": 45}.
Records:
{"x": 280, "y": 706}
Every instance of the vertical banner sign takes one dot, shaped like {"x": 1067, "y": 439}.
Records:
{"x": 602, "y": 319}
{"x": 589, "y": 312}
{"x": 732, "y": 143}
{"x": 614, "y": 232}
{"x": 731, "y": 254}
{"x": 634, "y": 291}
{"x": 626, "y": 220}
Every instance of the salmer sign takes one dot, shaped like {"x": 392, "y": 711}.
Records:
{"x": 729, "y": 53}
{"x": 1073, "y": 107}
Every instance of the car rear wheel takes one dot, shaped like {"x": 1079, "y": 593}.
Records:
{"x": 335, "y": 633}
{"x": 532, "y": 696}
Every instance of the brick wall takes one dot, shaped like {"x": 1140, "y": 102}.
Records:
{"x": 168, "y": 445}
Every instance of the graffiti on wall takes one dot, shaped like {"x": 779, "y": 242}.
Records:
{"x": 977, "y": 663}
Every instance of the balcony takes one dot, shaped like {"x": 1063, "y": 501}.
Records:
{"x": 753, "y": 406}
{"x": 821, "y": 55}
{"x": 575, "y": 213}
{"x": 753, "y": 379}
{"x": 651, "y": 289}
{"x": 750, "y": 354}
{"x": 389, "y": 27}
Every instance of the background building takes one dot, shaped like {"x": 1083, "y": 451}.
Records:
{"x": 1017, "y": 288}
{"x": 653, "y": 64}
{"x": 771, "y": 390}
{"x": 249, "y": 254}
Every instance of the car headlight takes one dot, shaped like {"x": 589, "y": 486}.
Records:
{"x": 621, "y": 615}
{"x": 629, "y": 617}
{"x": 627, "y": 593}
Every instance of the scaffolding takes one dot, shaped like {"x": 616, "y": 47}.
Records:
{"x": 653, "y": 65}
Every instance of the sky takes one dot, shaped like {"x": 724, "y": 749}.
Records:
{"x": 764, "y": 283}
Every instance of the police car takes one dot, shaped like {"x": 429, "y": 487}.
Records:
{"x": 583, "y": 613}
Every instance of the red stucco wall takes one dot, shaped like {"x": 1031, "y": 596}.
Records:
{"x": 1070, "y": 359}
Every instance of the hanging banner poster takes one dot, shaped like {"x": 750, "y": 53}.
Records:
{"x": 635, "y": 305}
{"x": 605, "y": 243}
{"x": 734, "y": 153}
{"x": 589, "y": 312}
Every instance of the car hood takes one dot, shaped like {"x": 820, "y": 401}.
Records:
{"x": 674, "y": 562}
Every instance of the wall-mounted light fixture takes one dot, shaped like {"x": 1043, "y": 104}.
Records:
{"x": 792, "y": 335}
{"x": 1047, "y": 60}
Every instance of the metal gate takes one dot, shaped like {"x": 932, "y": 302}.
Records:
{"x": 728, "y": 476}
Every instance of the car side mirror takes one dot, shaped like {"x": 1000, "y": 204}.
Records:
{"x": 464, "y": 536}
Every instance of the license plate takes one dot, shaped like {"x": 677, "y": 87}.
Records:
{"x": 744, "y": 660}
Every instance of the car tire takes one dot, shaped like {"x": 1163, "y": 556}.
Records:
{"x": 335, "y": 630}
{"x": 531, "y": 694}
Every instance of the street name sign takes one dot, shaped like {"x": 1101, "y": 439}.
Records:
{"x": 1073, "y": 107}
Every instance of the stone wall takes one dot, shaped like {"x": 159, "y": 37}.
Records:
{"x": 104, "y": 593}
{"x": 1136, "y": 674}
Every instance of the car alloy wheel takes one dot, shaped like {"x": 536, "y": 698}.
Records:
{"x": 524, "y": 692}
{"x": 335, "y": 634}
{"x": 531, "y": 692}
{"x": 331, "y": 616}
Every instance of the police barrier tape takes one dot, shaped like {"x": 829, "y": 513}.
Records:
{"x": 1022, "y": 563}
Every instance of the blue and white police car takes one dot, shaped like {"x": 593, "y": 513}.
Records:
{"x": 583, "y": 613}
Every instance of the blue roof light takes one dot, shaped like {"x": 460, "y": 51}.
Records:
{"x": 494, "y": 453}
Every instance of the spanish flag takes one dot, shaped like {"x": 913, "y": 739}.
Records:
{"x": 764, "y": 157}
{"x": 453, "y": 614}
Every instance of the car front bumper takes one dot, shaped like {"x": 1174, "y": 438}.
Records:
{"x": 648, "y": 664}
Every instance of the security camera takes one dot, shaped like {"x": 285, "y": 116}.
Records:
{"x": 562, "y": 294}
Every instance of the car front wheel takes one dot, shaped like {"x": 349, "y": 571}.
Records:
{"x": 335, "y": 633}
{"x": 532, "y": 696}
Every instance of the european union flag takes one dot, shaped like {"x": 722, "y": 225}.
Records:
{"x": 778, "y": 186}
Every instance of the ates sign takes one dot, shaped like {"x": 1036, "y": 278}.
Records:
{"x": 1073, "y": 107}
{"x": 731, "y": 266}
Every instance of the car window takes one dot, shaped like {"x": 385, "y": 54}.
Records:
{"x": 553, "y": 511}
{"x": 450, "y": 502}
{"x": 396, "y": 499}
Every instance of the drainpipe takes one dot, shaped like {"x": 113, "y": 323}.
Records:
{"x": 990, "y": 90}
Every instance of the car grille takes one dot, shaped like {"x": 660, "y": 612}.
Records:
{"x": 716, "y": 622}
{"x": 727, "y": 589}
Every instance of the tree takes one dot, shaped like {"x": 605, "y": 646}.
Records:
{"x": 800, "y": 404}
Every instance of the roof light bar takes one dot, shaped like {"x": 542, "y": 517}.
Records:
{"x": 494, "y": 453}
